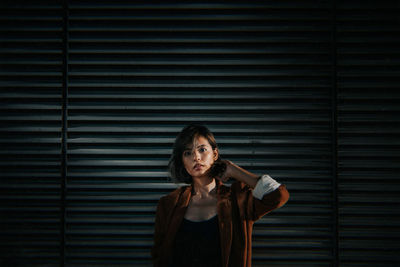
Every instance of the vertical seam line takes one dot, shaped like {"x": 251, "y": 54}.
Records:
{"x": 64, "y": 135}
{"x": 334, "y": 115}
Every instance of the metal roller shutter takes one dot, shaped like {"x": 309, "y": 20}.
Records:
{"x": 93, "y": 94}
{"x": 368, "y": 124}
{"x": 30, "y": 139}
{"x": 258, "y": 74}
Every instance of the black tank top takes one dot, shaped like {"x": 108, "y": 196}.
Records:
{"x": 197, "y": 244}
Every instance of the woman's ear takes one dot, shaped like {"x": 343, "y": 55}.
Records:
{"x": 216, "y": 154}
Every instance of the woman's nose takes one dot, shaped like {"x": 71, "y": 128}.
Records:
{"x": 196, "y": 155}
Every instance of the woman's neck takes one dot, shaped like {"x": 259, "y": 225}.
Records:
{"x": 204, "y": 187}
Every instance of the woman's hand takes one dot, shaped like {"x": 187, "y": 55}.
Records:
{"x": 234, "y": 171}
{"x": 224, "y": 177}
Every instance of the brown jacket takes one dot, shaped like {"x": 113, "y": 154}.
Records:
{"x": 237, "y": 210}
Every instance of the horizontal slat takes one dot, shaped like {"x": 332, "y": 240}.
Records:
{"x": 261, "y": 74}
{"x": 196, "y": 6}
{"x": 368, "y": 68}
{"x": 30, "y": 200}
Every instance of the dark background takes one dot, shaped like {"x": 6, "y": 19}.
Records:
{"x": 93, "y": 94}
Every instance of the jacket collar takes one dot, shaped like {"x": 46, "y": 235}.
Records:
{"x": 224, "y": 210}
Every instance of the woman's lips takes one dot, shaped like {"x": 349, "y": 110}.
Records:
{"x": 198, "y": 166}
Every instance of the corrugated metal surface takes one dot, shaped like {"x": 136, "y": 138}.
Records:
{"x": 30, "y": 114}
{"x": 251, "y": 72}
{"x": 369, "y": 130}
{"x": 262, "y": 75}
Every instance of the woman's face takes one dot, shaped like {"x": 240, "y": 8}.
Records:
{"x": 199, "y": 158}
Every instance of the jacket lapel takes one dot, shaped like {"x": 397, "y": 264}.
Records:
{"x": 224, "y": 209}
{"x": 176, "y": 216}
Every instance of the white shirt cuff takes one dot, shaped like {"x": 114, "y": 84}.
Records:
{"x": 264, "y": 186}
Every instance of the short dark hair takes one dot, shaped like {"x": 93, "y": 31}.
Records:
{"x": 176, "y": 168}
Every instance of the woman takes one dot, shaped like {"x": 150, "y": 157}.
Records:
{"x": 208, "y": 223}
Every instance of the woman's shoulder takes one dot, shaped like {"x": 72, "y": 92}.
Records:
{"x": 239, "y": 187}
{"x": 236, "y": 188}
{"x": 174, "y": 195}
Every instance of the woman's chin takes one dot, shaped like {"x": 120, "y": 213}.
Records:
{"x": 200, "y": 175}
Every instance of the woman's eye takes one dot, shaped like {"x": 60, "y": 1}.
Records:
{"x": 202, "y": 149}
{"x": 187, "y": 153}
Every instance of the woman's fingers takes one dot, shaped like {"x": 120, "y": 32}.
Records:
{"x": 224, "y": 177}
{"x": 226, "y": 174}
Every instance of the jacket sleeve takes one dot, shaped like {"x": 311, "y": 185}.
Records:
{"x": 269, "y": 202}
{"x": 268, "y": 197}
{"x": 159, "y": 233}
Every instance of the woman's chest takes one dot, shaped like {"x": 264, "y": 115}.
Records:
{"x": 201, "y": 209}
